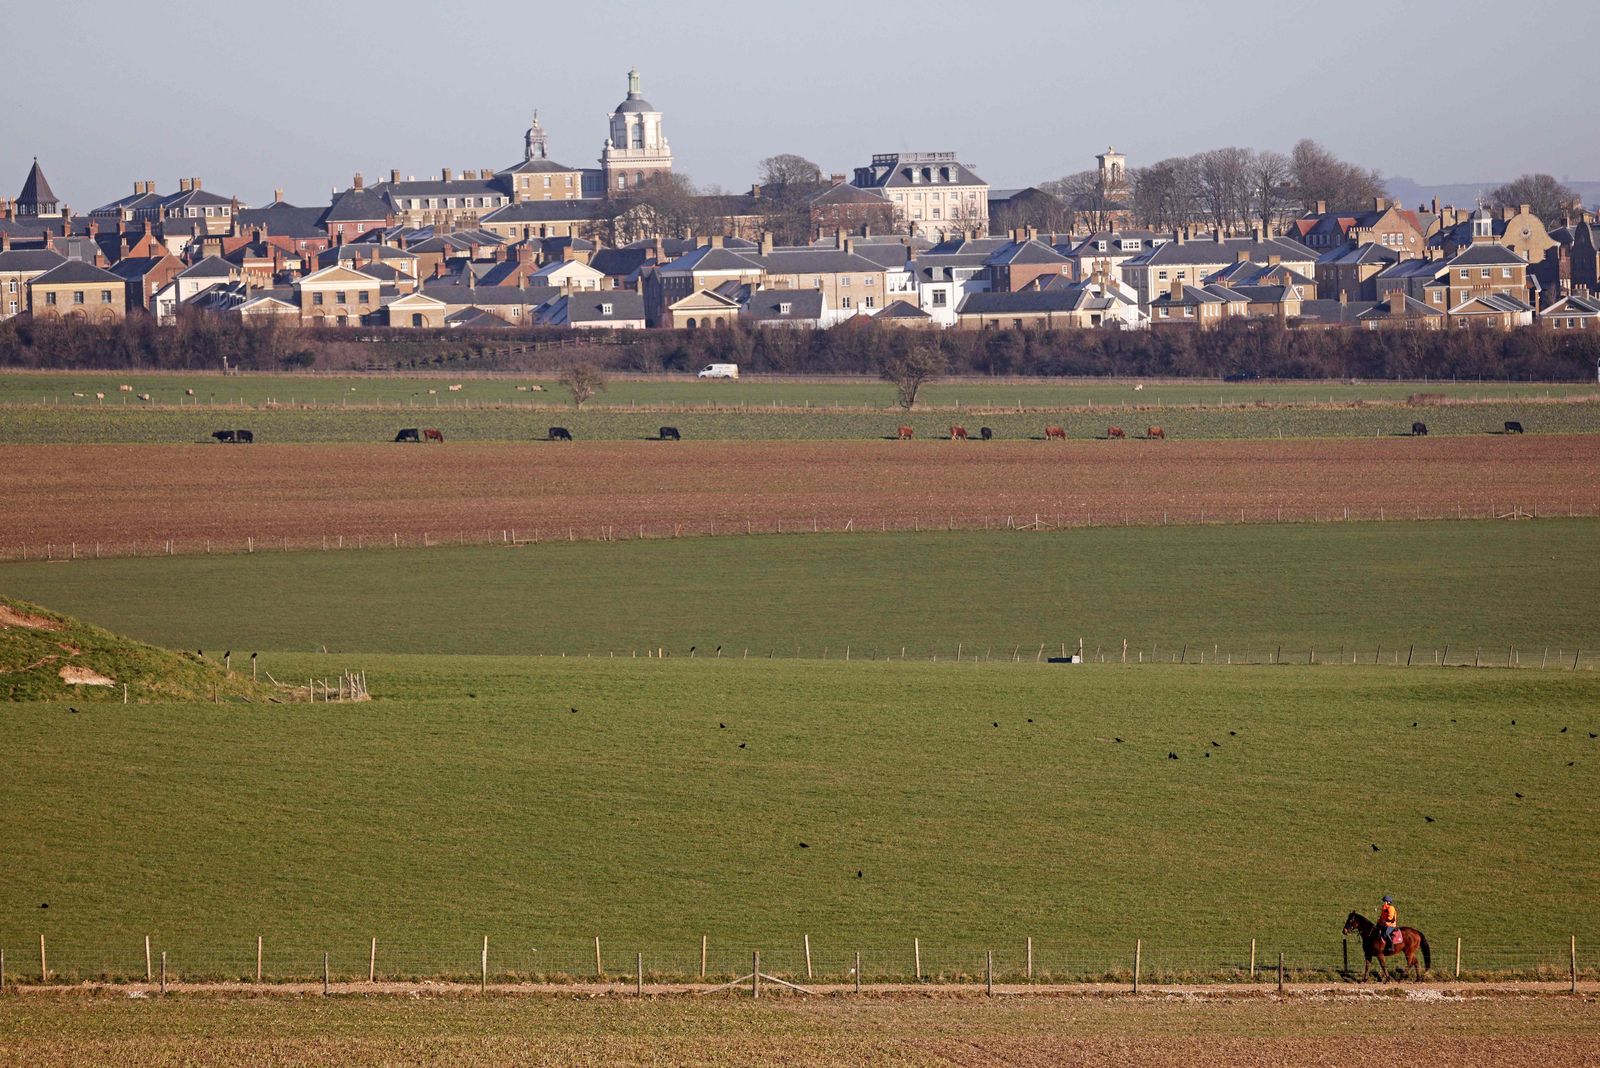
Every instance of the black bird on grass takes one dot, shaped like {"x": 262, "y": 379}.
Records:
{"x": 44, "y": 904}
{"x": 1513, "y": 723}
{"x": 71, "y": 709}
{"x": 1215, "y": 744}
{"x": 1519, "y": 795}
{"x": 804, "y": 846}
{"x": 1563, "y": 730}
{"x": 1428, "y": 818}
{"x": 1172, "y": 756}
{"x": 722, "y": 726}
{"x": 1592, "y": 734}
{"x": 1374, "y": 847}
{"x": 1413, "y": 723}
{"x": 1233, "y": 734}
{"x": 1117, "y": 740}
{"x": 1030, "y": 721}
{"x": 741, "y": 745}
{"x": 1208, "y": 754}
{"x": 995, "y": 724}
{"x": 572, "y": 710}
{"x": 858, "y": 873}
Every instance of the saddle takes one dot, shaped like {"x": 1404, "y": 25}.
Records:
{"x": 1394, "y": 942}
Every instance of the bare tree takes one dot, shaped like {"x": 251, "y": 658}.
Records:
{"x": 1270, "y": 193}
{"x": 583, "y": 381}
{"x": 788, "y": 169}
{"x": 1225, "y": 185}
{"x": 1165, "y": 194}
{"x": 1317, "y": 175}
{"x": 912, "y": 369}
{"x": 1088, "y": 196}
{"x": 1545, "y": 196}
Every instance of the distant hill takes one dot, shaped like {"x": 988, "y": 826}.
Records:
{"x": 46, "y": 656}
{"x": 1465, "y": 194}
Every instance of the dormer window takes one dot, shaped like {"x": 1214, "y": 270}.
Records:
{"x": 784, "y": 308}
{"x": 605, "y": 309}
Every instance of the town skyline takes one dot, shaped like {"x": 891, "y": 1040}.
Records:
{"x": 281, "y": 139}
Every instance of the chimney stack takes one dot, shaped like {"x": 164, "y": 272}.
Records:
{"x": 766, "y": 242}
{"x": 1176, "y": 290}
{"x": 445, "y": 174}
{"x": 394, "y": 175}
{"x": 357, "y": 182}
{"x": 1322, "y": 207}
{"x": 183, "y": 185}
{"x": 277, "y": 196}
{"x": 194, "y": 183}
{"x": 1379, "y": 204}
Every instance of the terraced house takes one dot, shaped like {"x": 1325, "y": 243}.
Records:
{"x": 78, "y": 290}
{"x": 932, "y": 193}
{"x": 1190, "y": 261}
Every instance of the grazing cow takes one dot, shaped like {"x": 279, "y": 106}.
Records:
{"x": 560, "y": 433}
{"x": 1154, "y": 432}
{"x": 1054, "y": 432}
{"x": 985, "y": 433}
{"x": 144, "y": 396}
{"x": 225, "y": 436}
{"x": 124, "y": 388}
{"x": 188, "y": 393}
{"x": 410, "y": 433}
{"x": 905, "y": 433}
{"x": 456, "y": 388}
{"x": 670, "y": 433}
{"x": 958, "y": 433}
{"x": 244, "y": 437}
{"x": 1115, "y": 432}
{"x": 430, "y": 434}
{"x": 1419, "y": 430}
{"x": 1513, "y": 427}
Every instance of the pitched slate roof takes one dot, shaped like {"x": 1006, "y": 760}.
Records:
{"x": 475, "y": 318}
{"x": 1352, "y": 255}
{"x": 1191, "y": 295}
{"x": 1026, "y": 301}
{"x": 590, "y": 307}
{"x": 538, "y": 166}
{"x": 706, "y": 258}
{"x": 75, "y": 271}
{"x": 919, "y": 170}
{"x": 358, "y": 205}
{"x": 1412, "y": 306}
{"x": 210, "y": 267}
{"x": 902, "y": 309}
{"x": 281, "y": 219}
{"x": 765, "y": 305}
{"x": 1575, "y": 305}
{"x": 1334, "y": 311}
{"x": 455, "y": 293}
{"x": 1486, "y": 254}
{"x": 1202, "y": 250}
{"x": 844, "y": 193}
{"x": 20, "y": 260}
{"x": 815, "y": 261}
{"x": 1493, "y": 302}
{"x": 534, "y": 211}
{"x": 36, "y": 191}
{"x": 1020, "y": 253}
{"x": 619, "y": 262}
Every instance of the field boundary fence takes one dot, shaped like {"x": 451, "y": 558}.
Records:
{"x": 86, "y": 545}
{"x": 495, "y": 960}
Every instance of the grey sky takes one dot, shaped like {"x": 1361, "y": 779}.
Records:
{"x": 254, "y": 96}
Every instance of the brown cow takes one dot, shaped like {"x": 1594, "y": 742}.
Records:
{"x": 1155, "y": 432}
{"x": 1054, "y": 432}
{"x": 905, "y": 433}
{"x": 958, "y": 433}
{"x": 430, "y": 434}
{"x": 1115, "y": 432}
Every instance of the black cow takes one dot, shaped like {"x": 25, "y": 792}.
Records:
{"x": 410, "y": 433}
{"x": 1513, "y": 427}
{"x": 670, "y": 433}
{"x": 1419, "y": 430}
{"x": 243, "y": 437}
{"x": 560, "y": 433}
{"x": 985, "y": 433}
{"x": 225, "y": 436}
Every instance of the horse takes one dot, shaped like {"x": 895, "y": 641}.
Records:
{"x": 1054, "y": 432}
{"x": 1115, "y": 432}
{"x": 986, "y": 433}
{"x": 1372, "y": 944}
{"x": 905, "y": 433}
{"x": 958, "y": 433}
{"x": 430, "y": 434}
{"x": 1155, "y": 432}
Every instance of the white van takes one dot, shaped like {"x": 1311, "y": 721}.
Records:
{"x": 719, "y": 370}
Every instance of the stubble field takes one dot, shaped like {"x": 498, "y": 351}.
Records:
{"x": 131, "y": 498}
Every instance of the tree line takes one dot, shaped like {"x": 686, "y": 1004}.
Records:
{"x": 860, "y": 346}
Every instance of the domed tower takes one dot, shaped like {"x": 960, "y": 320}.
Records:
{"x": 534, "y": 143}
{"x": 636, "y": 148}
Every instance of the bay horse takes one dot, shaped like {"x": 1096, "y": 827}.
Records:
{"x": 905, "y": 433}
{"x": 1115, "y": 432}
{"x": 1154, "y": 432}
{"x": 1372, "y": 945}
{"x": 430, "y": 434}
{"x": 958, "y": 433}
{"x": 1054, "y": 432}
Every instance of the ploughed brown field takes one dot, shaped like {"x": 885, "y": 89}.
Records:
{"x": 142, "y": 493}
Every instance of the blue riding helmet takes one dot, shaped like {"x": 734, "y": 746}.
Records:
{"x": 1387, "y": 900}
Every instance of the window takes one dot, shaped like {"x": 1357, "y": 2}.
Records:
{"x": 547, "y": 181}
{"x": 12, "y": 307}
{"x": 844, "y": 279}
{"x": 1016, "y": 324}
{"x": 11, "y": 286}
{"x": 1164, "y": 313}
{"x": 49, "y": 298}
{"x": 1485, "y": 273}
{"x": 935, "y": 213}
{"x": 1465, "y": 274}
{"x": 77, "y": 296}
{"x": 341, "y": 297}
{"x": 844, "y": 302}
{"x": 569, "y": 181}
{"x": 316, "y": 300}
{"x": 816, "y": 283}
{"x": 416, "y": 318}
{"x": 105, "y": 296}
{"x": 1505, "y": 272}
{"x": 366, "y": 297}
{"x": 783, "y": 307}
{"x": 940, "y": 298}
{"x": 605, "y": 309}
{"x": 867, "y": 281}
{"x": 1162, "y": 275}
{"x": 622, "y": 181}
{"x": 1188, "y": 312}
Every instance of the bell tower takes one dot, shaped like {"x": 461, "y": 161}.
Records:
{"x": 535, "y": 145}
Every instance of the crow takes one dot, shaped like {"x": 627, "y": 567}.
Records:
{"x": 1233, "y": 734}
{"x": 1215, "y": 744}
{"x": 1172, "y": 756}
{"x": 473, "y": 696}
{"x": 1208, "y": 754}
{"x": 995, "y": 724}
{"x": 858, "y": 873}
{"x": 1117, "y": 740}
{"x": 1519, "y": 795}
{"x": 804, "y": 846}
{"x": 1569, "y": 763}
{"x": 1030, "y": 721}
{"x": 1513, "y": 723}
{"x": 741, "y": 745}
{"x": 722, "y": 726}
{"x": 1413, "y": 723}
{"x": 1428, "y": 818}
{"x": 1563, "y": 730}
{"x": 1592, "y": 734}
{"x": 572, "y": 710}
{"x": 719, "y": 650}
{"x": 71, "y": 709}
{"x": 227, "y": 655}
{"x": 44, "y": 904}
{"x": 691, "y": 650}
{"x": 1374, "y": 847}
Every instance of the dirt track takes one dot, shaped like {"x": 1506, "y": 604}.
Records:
{"x": 144, "y": 493}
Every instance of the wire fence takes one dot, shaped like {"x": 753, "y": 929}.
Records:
{"x": 491, "y": 959}
{"x": 543, "y": 530}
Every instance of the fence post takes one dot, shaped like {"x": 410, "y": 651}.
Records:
{"x": 1252, "y": 960}
{"x": 1458, "y": 956}
{"x": 1030, "y": 956}
{"x": 147, "y": 958}
{"x": 1573, "y": 947}
{"x": 1280, "y": 971}
{"x": 1346, "y": 971}
{"x": 372, "y": 962}
{"x": 1138, "y": 953}
{"x": 639, "y": 972}
{"x": 324, "y": 971}
{"x": 916, "y": 955}
{"x": 858, "y": 969}
{"x": 599, "y": 970}
{"x": 258, "y": 958}
{"x": 755, "y": 973}
{"x": 988, "y": 973}
{"x": 702, "y": 956}
{"x": 483, "y": 984}
{"x": 808, "y": 956}
{"x": 3, "y": 972}
{"x": 44, "y": 964}
{"x": 164, "y": 972}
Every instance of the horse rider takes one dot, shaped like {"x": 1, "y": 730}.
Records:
{"x": 1388, "y": 921}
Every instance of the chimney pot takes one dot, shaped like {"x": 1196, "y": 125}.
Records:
{"x": 194, "y": 183}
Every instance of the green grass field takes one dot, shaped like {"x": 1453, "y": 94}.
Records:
{"x": 63, "y": 425}
{"x": 1237, "y": 589}
{"x": 981, "y": 804}
{"x": 58, "y": 388}
{"x": 468, "y": 800}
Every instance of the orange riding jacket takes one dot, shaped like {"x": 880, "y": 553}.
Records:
{"x": 1387, "y": 916}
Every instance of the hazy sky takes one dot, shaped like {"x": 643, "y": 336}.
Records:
{"x": 255, "y": 96}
